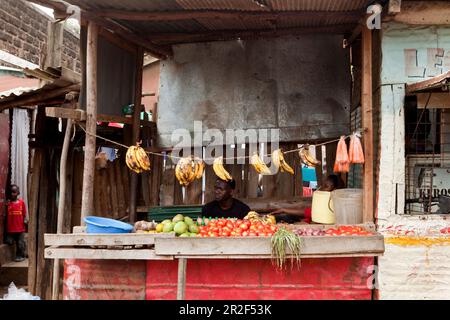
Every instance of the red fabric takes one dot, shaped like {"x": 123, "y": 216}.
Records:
{"x": 16, "y": 216}
{"x": 308, "y": 215}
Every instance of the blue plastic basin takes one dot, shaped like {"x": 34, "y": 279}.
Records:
{"x": 106, "y": 225}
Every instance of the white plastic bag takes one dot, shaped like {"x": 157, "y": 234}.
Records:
{"x": 18, "y": 294}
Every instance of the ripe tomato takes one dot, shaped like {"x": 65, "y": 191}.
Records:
{"x": 230, "y": 225}
{"x": 238, "y": 222}
{"x": 245, "y": 234}
{"x": 243, "y": 226}
{"x": 225, "y": 233}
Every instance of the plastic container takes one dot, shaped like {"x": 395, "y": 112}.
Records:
{"x": 348, "y": 206}
{"x": 322, "y": 208}
{"x": 106, "y": 225}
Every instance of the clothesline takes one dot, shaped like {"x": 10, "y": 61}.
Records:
{"x": 211, "y": 159}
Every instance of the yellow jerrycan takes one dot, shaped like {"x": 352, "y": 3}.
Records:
{"x": 322, "y": 210}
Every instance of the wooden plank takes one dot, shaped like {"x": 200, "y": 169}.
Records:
{"x": 298, "y": 177}
{"x": 261, "y": 246}
{"x": 210, "y": 179}
{"x": 119, "y": 186}
{"x": 97, "y": 196}
{"x": 181, "y": 284}
{"x": 33, "y": 220}
{"x": 85, "y": 239}
{"x": 135, "y": 137}
{"x": 100, "y": 254}
{"x": 79, "y": 229}
{"x": 87, "y": 204}
{"x": 167, "y": 184}
{"x": 67, "y": 220}
{"x": 156, "y": 180}
{"x": 366, "y": 108}
{"x": 253, "y": 176}
{"x": 319, "y": 171}
{"x": 268, "y": 256}
{"x": 80, "y": 115}
{"x": 77, "y": 187}
{"x": 113, "y": 185}
{"x": 236, "y": 172}
{"x": 126, "y": 184}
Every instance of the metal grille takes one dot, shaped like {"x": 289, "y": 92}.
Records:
{"x": 427, "y": 148}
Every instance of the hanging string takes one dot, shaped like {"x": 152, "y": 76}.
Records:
{"x": 210, "y": 159}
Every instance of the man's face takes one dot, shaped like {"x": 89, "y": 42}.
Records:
{"x": 14, "y": 193}
{"x": 222, "y": 190}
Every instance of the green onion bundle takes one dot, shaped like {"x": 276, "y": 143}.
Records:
{"x": 282, "y": 240}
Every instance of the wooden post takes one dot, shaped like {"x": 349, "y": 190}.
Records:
{"x": 55, "y": 32}
{"x": 87, "y": 202}
{"x": 366, "y": 113}
{"x": 181, "y": 287}
{"x": 136, "y": 128}
{"x": 61, "y": 203}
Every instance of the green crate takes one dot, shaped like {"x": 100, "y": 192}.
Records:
{"x": 161, "y": 213}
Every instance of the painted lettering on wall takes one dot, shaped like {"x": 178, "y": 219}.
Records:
{"x": 437, "y": 62}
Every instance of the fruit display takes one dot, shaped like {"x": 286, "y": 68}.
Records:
{"x": 145, "y": 226}
{"x": 220, "y": 171}
{"x": 181, "y": 225}
{"x": 231, "y": 227}
{"x": 188, "y": 169}
{"x": 307, "y": 158}
{"x": 259, "y": 165}
{"x": 280, "y": 163}
{"x": 348, "y": 231}
{"x": 136, "y": 159}
{"x": 253, "y": 215}
{"x": 310, "y": 232}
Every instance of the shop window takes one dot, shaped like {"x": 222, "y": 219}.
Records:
{"x": 427, "y": 149}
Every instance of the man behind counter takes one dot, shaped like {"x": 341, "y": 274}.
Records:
{"x": 224, "y": 204}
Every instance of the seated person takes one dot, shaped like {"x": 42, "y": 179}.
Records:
{"x": 224, "y": 204}
{"x": 293, "y": 214}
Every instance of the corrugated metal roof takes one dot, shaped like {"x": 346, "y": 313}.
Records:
{"x": 352, "y": 11}
{"x": 16, "y": 92}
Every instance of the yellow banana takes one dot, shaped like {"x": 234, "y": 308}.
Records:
{"x": 200, "y": 167}
{"x": 220, "y": 171}
{"x": 130, "y": 160}
{"x": 142, "y": 158}
{"x": 259, "y": 165}
{"x": 278, "y": 158}
{"x": 307, "y": 158}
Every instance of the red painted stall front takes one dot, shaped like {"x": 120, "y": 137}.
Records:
{"x": 321, "y": 278}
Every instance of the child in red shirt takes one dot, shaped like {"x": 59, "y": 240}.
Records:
{"x": 16, "y": 219}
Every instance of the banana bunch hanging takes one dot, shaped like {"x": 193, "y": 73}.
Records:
{"x": 280, "y": 163}
{"x": 220, "y": 171}
{"x": 307, "y": 158}
{"x": 259, "y": 165}
{"x": 188, "y": 169}
{"x": 137, "y": 159}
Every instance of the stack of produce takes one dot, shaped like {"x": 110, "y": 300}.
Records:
{"x": 145, "y": 226}
{"x": 348, "y": 231}
{"x": 181, "y": 225}
{"x": 136, "y": 159}
{"x": 188, "y": 169}
{"x": 310, "y": 232}
{"x": 255, "y": 216}
{"x": 236, "y": 228}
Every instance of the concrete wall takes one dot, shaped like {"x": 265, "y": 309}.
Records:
{"x": 23, "y": 33}
{"x": 416, "y": 264}
{"x": 150, "y": 84}
{"x": 300, "y": 85}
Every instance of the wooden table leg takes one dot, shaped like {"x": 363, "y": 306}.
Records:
{"x": 181, "y": 287}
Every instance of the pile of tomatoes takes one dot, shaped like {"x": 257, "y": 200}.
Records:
{"x": 348, "y": 231}
{"x": 237, "y": 228}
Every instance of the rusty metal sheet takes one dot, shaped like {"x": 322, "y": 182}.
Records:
{"x": 300, "y": 85}
{"x": 104, "y": 279}
{"x": 4, "y": 165}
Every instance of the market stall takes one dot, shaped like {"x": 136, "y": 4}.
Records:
{"x": 256, "y": 257}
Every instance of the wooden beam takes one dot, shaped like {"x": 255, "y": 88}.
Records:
{"x": 366, "y": 113}
{"x": 38, "y": 97}
{"x": 181, "y": 285}
{"x": 136, "y": 129}
{"x": 224, "y": 14}
{"x": 240, "y": 34}
{"x": 87, "y": 202}
{"x": 160, "y": 52}
{"x": 422, "y": 13}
